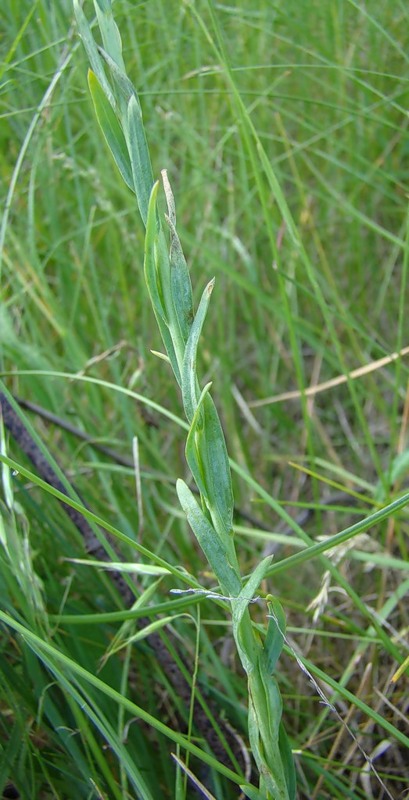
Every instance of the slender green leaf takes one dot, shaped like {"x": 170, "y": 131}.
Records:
{"x": 140, "y": 158}
{"x": 111, "y": 37}
{"x": 120, "y": 566}
{"x": 189, "y": 378}
{"x": 181, "y": 287}
{"x": 125, "y": 87}
{"x": 239, "y": 609}
{"x": 111, "y": 129}
{"x": 92, "y": 52}
{"x": 206, "y": 454}
{"x": 153, "y": 279}
{"x": 152, "y": 275}
{"x": 274, "y": 641}
{"x": 194, "y": 452}
{"x": 209, "y": 541}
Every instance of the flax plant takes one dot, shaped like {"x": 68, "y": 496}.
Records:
{"x": 167, "y": 277}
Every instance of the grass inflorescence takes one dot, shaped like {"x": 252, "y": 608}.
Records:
{"x": 283, "y": 131}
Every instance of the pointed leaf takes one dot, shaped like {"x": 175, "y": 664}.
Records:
{"x": 152, "y": 278}
{"x": 249, "y": 651}
{"x": 151, "y": 240}
{"x": 251, "y": 587}
{"x": 181, "y": 286}
{"x": 140, "y": 158}
{"x": 206, "y": 454}
{"x": 209, "y": 541}
{"x": 111, "y": 37}
{"x": 143, "y": 633}
{"x": 170, "y": 200}
{"x": 124, "y": 85}
{"x": 189, "y": 379}
{"x": 134, "y": 568}
{"x": 92, "y": 52}
{"x": 274, "y": 641}
{"x": 111, "y": 129}
{"x": 194, "y": 451}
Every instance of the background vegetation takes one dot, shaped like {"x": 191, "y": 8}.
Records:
{"x": 304, "y": 294}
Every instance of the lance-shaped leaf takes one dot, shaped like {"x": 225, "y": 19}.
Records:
{"x": 181, "y": 287}
{"x": 170, "y": 200}
{"x": 140, "y": 158}
{"x": 124, "y": 89}
{"x": 189, "y": 378}
{"x": 206, "y": 454}
{"x": 249, "y": 647}
{"x": 153, "y": 277}
{"x": 111, "y": 37}
{"x": 92, "y": 52}
{"x": 193, "y": 452}
{"x": 111, "y": 129}
{"x": 274, "y": 641}
{"x": 122, "y": 83}
{"x": 210, "y": 543}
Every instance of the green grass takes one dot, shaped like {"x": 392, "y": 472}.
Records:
{"x": 284, "y": 131}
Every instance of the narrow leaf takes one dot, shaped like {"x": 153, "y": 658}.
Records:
{"x": 152, "y": 278}
{"x": 274, "y": 641}
{"x": 135, "y": 568}
{"x": 167, "y": 341}
{"x": 170, "y": 200}
{"x": 251, "y": 587}
{"x": 206, "y": 454}
{"x": 109, "y": 31}
{"x": 124, "y": 85}
{"x": 194, "y": 451}
{"x": 189, "y": 379}
{"x": 249, "y": 649}
{"x": 111, "y": 129}
{"x": 92, "y": 51}
{"x": 181, "y": 286}
{"x": 209, "y": 541}
{"x": 151, "y": 240}
{"x": 140, "y": 158}
{"x": 143, "y": 633}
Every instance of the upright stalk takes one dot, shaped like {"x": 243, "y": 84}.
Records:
{"x": 167, "y": 277}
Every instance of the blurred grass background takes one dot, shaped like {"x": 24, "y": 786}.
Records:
{"x": 325, "y": 86}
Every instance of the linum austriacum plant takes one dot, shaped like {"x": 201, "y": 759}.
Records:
{"x": 167, "y": 278}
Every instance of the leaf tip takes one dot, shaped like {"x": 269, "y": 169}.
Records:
{"x": 154, "y": 191}
{"x": 93, "y": 82}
